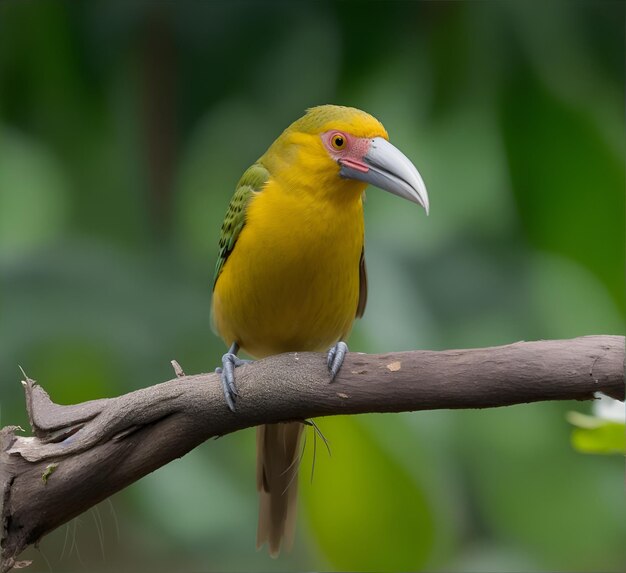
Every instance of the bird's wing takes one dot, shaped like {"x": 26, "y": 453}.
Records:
{"x": 252, "y": 181}
{"x": 360, "y": 307}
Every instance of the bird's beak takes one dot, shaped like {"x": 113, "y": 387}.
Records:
{"x": 387, "y": 168}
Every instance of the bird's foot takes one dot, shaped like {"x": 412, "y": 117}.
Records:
{"x": 230, "y": 361}
{"x": 335, "y": 358}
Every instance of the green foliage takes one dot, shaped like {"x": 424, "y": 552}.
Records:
{"x": 124, "y": 128}
{"x": 545, "y": 137}
{"x": 354, "y": 509}
{"x": 594, "y": 435}
{"x": 29, "y": 176}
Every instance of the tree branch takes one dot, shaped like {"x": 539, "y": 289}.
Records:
{"x": 83, "y": 453}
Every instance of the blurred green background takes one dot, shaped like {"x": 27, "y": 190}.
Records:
{"x": 124, "y": 127}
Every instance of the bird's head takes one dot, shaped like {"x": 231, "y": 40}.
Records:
{"x": 343, "y": 149}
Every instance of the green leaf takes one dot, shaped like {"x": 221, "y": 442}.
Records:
{"x": 33, "y": 195}
{"x": 365, "y": 509}
{"x": 567, "y": 178}
{"x": 594, "y": 435}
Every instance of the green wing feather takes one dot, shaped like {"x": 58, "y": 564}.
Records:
{"x": 252, "y": 181}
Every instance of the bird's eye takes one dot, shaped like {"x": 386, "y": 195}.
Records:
{"x": 338, "y": 141}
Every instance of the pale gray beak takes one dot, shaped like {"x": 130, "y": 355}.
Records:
{"x": 387, "y": 168}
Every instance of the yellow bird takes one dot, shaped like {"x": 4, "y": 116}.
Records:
{"x": 290, "y": 274}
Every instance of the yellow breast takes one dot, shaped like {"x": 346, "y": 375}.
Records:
{"x": 292, "y": 280}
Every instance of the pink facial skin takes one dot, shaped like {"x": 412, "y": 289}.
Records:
{"x": 352, "y": 154}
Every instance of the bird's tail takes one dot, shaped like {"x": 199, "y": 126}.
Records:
{"x": 278, "y": 455}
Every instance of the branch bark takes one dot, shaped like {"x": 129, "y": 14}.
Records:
{"x": 83, "y": 453}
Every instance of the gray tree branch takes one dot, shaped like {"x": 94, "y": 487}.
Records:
{"x": 81, "y": 454}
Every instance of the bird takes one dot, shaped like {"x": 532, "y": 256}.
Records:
{"x": 290, "y": 273}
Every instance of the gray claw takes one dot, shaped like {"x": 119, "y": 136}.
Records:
{"x": 230, "y": 361}
{"x": 335, "y": 358}
{"x": 331, "y": 356}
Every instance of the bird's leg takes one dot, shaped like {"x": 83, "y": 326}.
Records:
{"x": 335, "y": 358}
{"x": 230, "y": 361}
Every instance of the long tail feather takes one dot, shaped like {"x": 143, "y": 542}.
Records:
{"x": 278, "y": 458}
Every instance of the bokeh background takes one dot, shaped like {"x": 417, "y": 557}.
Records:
{"x": 124, "y": 127}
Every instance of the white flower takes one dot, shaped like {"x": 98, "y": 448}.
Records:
{"x": 609, "y": 409}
